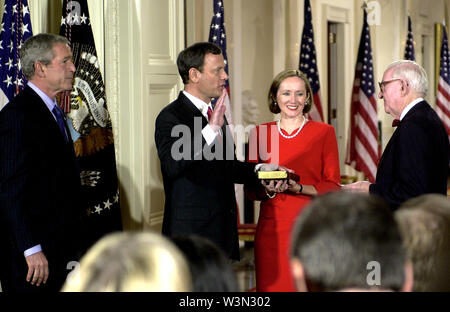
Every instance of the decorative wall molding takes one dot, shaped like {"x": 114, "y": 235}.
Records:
{"x": 111, "y": 67}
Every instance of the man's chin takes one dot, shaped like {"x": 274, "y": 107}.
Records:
{"x": 217, "y": 95}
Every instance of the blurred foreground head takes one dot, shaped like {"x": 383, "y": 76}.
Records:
{"x": 351, "y": 242}
{"x": 424, "y": 223}
{"x": 210, "y": 268}
{"x": 122, "y": 262}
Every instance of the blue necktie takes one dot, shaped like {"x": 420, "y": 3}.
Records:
{"x": 60, "y": 119}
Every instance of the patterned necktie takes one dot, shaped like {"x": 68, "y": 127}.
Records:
{"x": 395, "y": 122}
{"x": 209, "y": 113}
{"x": 60, "y": 119}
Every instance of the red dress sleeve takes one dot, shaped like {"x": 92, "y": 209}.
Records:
{"x": 331, "y": 176}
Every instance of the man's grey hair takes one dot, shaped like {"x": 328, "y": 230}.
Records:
{"x": 413, "y": 73}
{"x": 38, "y": 48}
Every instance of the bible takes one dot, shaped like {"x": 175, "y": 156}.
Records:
{"x": 278, "y": 175}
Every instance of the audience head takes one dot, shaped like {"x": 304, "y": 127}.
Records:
{"x": 424, "y": 223}
{"x": 128, "y": 261}
{"x": 348, "y": 241}
{"x": 275, "y": 86}
{"x": 210, "y": 269}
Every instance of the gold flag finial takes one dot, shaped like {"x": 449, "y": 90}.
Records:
{"x": 364, "y": 5}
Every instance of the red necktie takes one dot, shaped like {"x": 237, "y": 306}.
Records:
{"x": 395, "y": 122}
{"x": 209, "y": 113}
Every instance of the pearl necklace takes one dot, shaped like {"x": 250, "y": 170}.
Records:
{"x": 295, "y": 134}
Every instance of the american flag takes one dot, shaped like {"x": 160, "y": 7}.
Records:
{"x": 308, "y": 64}
{"x": 409, "y": 48}
{"x": 443, "y": 92}
{"x": 364, "y": 150}
{"x": 217, "y": 35}
{"x": 15, "y": 29}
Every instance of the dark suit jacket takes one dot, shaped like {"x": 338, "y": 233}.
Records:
{"x": 200, "y": 196}
{"x": 415, "y": 160}
{"x": 39, "y": 192}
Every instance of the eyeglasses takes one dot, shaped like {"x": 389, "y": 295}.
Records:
{"x": 383, "y": 84}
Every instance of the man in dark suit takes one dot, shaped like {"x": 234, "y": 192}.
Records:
{"x": 39, "y": 178}
{"x": 416, "y": 159}
{"x": 199, "y": 169}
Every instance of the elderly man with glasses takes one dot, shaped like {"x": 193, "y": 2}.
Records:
{"x": 416, "y": 158}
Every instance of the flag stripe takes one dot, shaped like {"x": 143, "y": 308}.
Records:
{"x": 365, "y": 163}
{"x": 218, "y": 36}
{"x": 370, "y": 142}
{"x": 443, "y": 97}
{"x": 308, "y": 63}
{"x": 442, "y": 104}
{"x": 443, "y": 92}
{"x": 444, "y": 88}
{"x": 3, "y": 99}
{"x": 368, "y": 112}
{"x": 363, "y": 149}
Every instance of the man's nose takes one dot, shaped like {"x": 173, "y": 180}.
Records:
{"x": 72, "y": 67}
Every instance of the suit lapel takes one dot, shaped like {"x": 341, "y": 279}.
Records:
{"x": 417, "y": 109}
{"x": 188, "y": 110}
{"x": 45, "y": 119}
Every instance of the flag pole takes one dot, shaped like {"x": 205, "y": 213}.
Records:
{"x": 437, "y": 63}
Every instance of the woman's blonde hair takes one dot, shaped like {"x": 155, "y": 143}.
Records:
{"x": 131, "y": 261}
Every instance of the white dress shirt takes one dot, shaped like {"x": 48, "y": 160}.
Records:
{"x": 409, "y": 106}
{"x": 208, "y": 133}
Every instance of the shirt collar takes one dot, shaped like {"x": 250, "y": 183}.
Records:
{"x": 202, "y": 106}
{"x": 409, "y": 106}
{"x": 47, "y": 100}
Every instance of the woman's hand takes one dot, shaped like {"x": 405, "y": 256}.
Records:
{"x": 275, "y": 186}
{"x": 293, "y": 186}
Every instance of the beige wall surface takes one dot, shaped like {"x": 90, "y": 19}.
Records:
{"x": 138, "y": 42}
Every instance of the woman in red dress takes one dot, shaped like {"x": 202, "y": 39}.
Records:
{"x": 307, "y": 147}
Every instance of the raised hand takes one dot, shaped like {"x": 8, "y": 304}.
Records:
{"x": 217, "y": 118}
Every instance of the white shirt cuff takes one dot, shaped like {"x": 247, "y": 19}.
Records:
{"x": 32, "y": 250}
{"x": 209, "y": 134}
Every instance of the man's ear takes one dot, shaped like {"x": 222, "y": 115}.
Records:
{"x": 298, "y": 272}
{"x": 39, "y": 69}
{"x": 405, "y": 88}
{"x": 194, "y": 75}
{"x": 409, "y": 277}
